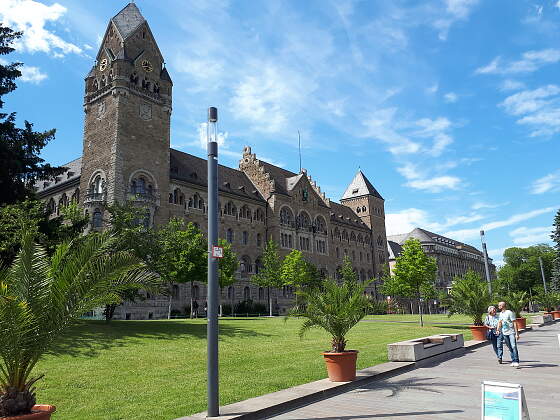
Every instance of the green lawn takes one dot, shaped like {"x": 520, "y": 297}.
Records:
{"x": 157, "y": 369}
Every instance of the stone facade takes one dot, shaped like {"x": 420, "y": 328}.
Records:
{"x": 127, "y": 156}
{"x": 453, "y": 258}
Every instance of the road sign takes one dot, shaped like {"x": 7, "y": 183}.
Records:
{"x": 217, "y": 252}
{"x": 502, "y": 401}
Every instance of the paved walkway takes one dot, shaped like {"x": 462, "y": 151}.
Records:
{"x": 452, "y": 389}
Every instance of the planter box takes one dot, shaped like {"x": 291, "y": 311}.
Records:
{"x": 542, "y": 319}
{"x": 422, "y": 348}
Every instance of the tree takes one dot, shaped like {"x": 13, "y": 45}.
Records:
{"x": 522, "y": 271}
{"x": 469, "y": 296}
{"x": 297, "y": 272}
{"x": 40, "y": 297}
{"x": 555, "y": 278}
{"x": 347, "y": 272}
{"x": 227, "y": 267}
{"x": 270, "y": 274}
{"x": 31, "y": 216}
{"x": 414, "y": 275}
{"x": 20, "y": 164}
{"x": 183, "y": 256}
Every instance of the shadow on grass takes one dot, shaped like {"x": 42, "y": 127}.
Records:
{"x": 88, "y": 338}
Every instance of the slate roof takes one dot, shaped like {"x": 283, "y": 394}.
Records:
{"x": 192, "y": 169}
{"x": 279, "y": 176}
{"x": 359, "y": 187}
{"x": 72, "y": 173}
{"x": 394, "y": 249}
{"x": 128, "y": 20}
{"x": 424, "y": 235}
{"x": 343, "y": 214}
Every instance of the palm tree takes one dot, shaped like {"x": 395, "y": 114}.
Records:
{"x": 469, "y": 296}
{"x": 335, "y": 307}
{"x": 40, "y": 297}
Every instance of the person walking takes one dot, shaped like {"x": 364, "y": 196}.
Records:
{"x": 195, "y": 309}
{"x": 491, "y": 321}
{"x": 509, "y": 331}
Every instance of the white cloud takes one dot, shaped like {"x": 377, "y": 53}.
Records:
{"x": 464, "y": 234}
{"x": 450, "y": 97}
{"x": 32, "y": 75}
{"x": 510, "y": 84}
{"x": 548, "y": 183}
{"x": 406, "y": 220}
{"x": 530, "y": 236}
{"x": 497, "y": 252}
{"x": 381, "y": 126}
{"x": 456, "y": 10}
{"x": 32, "y": 17}
{"x": 481, "y": 205}
{"x": 203, "y": 137}
{"x": 539, "y": 108}
{"x": 435, "y": 184}
{"x": 530, "y": 61}
{"x": 432, "y": 89}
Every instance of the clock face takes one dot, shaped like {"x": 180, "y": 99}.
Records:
{"x": 147, "y": 66}
{"x": 103, "y": 64}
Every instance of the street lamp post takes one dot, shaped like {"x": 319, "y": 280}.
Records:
{"x": 213, "y": 288}
{"x": 487, "y": 269}
{"x": 542, "y": 274}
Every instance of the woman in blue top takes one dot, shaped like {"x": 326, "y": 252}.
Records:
{"x": 491, "y": 321}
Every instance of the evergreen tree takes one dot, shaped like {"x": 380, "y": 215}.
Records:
{"x": 20, "y": 164}
{"x": 270, "y": 274}
{"x": 555, "y": 279}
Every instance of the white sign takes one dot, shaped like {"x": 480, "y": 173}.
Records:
{"x": 502, "y": 401}
{"x": 217, "y": 252}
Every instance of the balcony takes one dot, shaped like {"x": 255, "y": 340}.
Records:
{"x": 139, "y": 195}
{"x": 95, "y": 198}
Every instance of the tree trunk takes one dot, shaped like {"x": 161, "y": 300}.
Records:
{"x": 169, "y": 305}
{"x": 109, "y": 312}
{"x": 420, "y": 309}
{"x": 269, "y": 302}
{"x": 192, "y": 287}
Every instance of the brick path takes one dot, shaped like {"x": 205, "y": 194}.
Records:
{"x": 451, "y": 389}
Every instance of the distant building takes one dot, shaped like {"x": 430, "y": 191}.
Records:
{"x": 453, "y": 258}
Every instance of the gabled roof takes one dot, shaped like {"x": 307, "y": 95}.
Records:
{"x": 359, "y": 187}
{"x": 279, "y": 176}
{"x": 128, "y": 20}
{"x": 192, "y": 169}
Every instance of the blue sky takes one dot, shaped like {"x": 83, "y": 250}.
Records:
{"x": 450, "y": 107}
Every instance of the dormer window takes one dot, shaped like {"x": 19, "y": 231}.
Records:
{"x": 355, "y": 191}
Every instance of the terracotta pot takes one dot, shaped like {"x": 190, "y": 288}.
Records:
{"x": 521, "y": 323}
{"x": 39, "y": 412}
{"x": 478, "y": 332}
{"x": 341, "y": 367}
{"x": 555, "y": 314}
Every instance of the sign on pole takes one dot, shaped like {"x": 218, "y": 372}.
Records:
{"x": 502, "y": 401}
{"x": 217, "y": 252}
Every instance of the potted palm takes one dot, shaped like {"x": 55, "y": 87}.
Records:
{"x": 41, "y": 296}
{"x": 548, "y": 300}
{"x": 516, "y": 302}
{"x": 469, "y": 296}
{"x": 335, "y": 308}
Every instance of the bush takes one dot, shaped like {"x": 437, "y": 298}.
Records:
{"x": 249, "y": 307}
{"x": 378, "y": 307}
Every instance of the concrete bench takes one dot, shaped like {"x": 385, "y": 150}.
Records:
{"x": 542, "y": 319}
{"x": 422, "y": 348}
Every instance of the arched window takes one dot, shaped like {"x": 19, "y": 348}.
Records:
{"x": 76, "y": 196}
{"x": 344, "y": 235}
{"x": 259, "y": 215}
{"x": 245, "y": 237}
{"x": 304, "y": 221}
{"x": 97, "y": 220}
{"x": 258, "y": 265}
{"x": 50, "y": 206}
{"x": 246, "y": 293}
{"x": 97, "y": 185}
{"x": 360, "y": 239}
{"x": 245, "y": 265}
{"x": 230, "y": 292}
{"x": 245, "y": 212}
{"x": 379, "y": 241}
{"x": 230, "y": 209}
{"x": 103, "y": 81}
{"x": 259, "y": 239}
{"x": 364, "y": 209}
{"x": 95, "y": 85}
{"x": 229, "y": 235}
{"x": 353, "y": 237}
{"x": 261, "y": 293}
{"x": 320, "y": 225}
{"x": 358, "y": 210}
{"x": 286, "y": 216}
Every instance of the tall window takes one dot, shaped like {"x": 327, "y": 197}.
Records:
{"x": 286, "y": 216}
{"x": 246, "y": 293}
{"x": 97, "y": 185}
{"x": 245, "y": 237}
{"x": 230, "y": 292}
{"x": 259, "y": 240}
{"x": 97, "y": 220}
{"x": 229, "y": 236}
{"x": 245, "y": 265}
{"x": 261, "y": 293}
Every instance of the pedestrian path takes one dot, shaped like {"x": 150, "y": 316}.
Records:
{"x": 452, "y": 389}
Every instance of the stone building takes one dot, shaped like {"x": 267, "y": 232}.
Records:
{"x": 127, "y": 156}
{"x": 453, "y": 258}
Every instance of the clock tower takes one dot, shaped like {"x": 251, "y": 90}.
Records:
{"x": 127, "y": 107}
